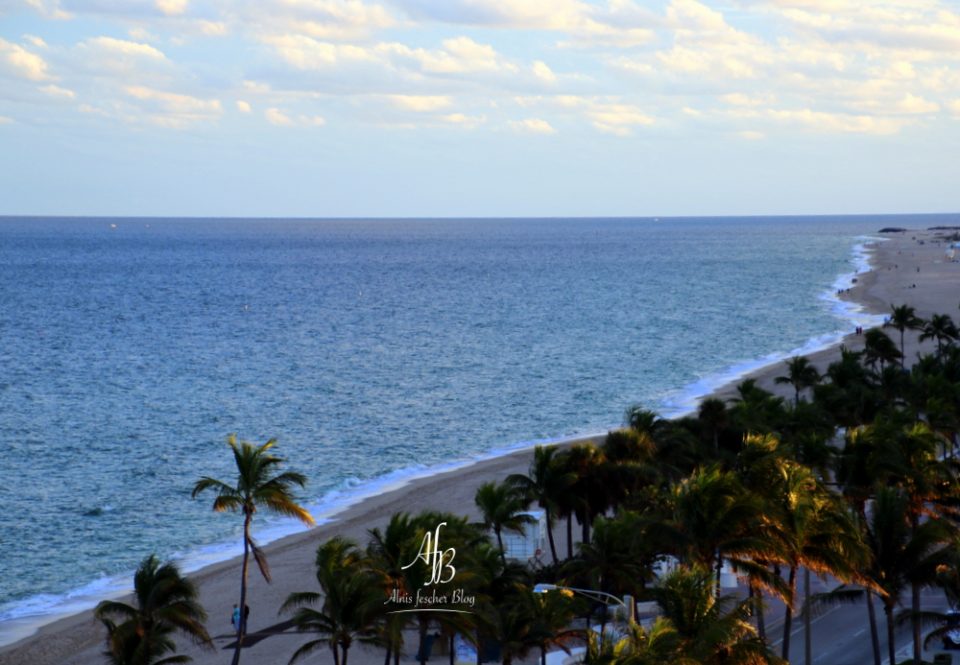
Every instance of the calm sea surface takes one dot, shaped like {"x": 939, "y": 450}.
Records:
{"x": 373, "y": 350}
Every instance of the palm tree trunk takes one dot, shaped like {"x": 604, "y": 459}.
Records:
{"x": 719, "y": 567}
{"x": 788, "y": 616}
{"x": 386, "y": 660}
{"x": 503, "y": 555}
{"x": 758, "y": 609}
{"x": 543, "y": 655}
{"x": 902, "y": 358}
{"x": 343, "y": 661}
{"x": 807, "y": 648}
{"x": 479, "y": 648}
{"x": 874, "y": 634}
{"x": 336, "y": 653}
{"x": 891, "y": 646}
{"x": 570, "y": 536}
{"x": 915, "y": 606}
{"x": 453, "y": 650}
{"x": 242, "y": 628}
{"x": 553, "y": 547}
{"x": 585, "y": 529}
{"x": 423, "y": 643}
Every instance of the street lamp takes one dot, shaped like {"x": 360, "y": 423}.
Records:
{"x": 600, "y": 596}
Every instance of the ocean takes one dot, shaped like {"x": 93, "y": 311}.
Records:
{"x": 373, "y": 350}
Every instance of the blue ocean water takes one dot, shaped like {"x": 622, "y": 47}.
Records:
{"x": 373, "y": 350}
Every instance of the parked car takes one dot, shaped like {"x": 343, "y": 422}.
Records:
{"x": 951, "y": 638}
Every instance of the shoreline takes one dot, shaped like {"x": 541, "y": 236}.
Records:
{"x": 78, "y": 635}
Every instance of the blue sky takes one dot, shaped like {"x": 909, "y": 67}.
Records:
{"x": 478, "y": 107}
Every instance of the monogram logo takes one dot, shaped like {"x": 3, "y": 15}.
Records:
{"x": 438, "y": 560}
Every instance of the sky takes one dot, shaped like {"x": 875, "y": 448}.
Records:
{"x": 450, "y": 108}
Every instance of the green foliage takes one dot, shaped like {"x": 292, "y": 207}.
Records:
{"x": 165, "y": 603}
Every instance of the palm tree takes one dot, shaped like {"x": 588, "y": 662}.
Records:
{"x": 901, "y": 555}
{"x": 545, "y": 483}
{"x": 800, "y": 374}
{"x": 902, "y": 318}
{"x": 352, "y": 601}
{"x": 166, "y": 602}
{"x": 756, "y": 410}
{"x": 818, "y": 536}
{"x": 589, "y": 495}
{"x": 715, "y": 518}
{"x": 878, "y": 347}
{"x": 501, "y": 506}
{"x": 712, "y": 630}
{"x": 712, "y": 413}
{"x": 255, "y": 487}
{"x": 941, "y": 328}
{"x": 551, "y": 614}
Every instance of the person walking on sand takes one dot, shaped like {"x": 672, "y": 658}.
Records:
{"x": 235, "y": 618}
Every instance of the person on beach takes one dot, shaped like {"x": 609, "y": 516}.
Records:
{"x": 235, "y": 618}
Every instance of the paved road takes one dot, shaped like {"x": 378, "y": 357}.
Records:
{"x": 841, "y": 634}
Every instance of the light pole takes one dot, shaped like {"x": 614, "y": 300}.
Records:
{"x": 626, "y": 602}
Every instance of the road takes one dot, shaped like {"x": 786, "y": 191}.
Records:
{"x": 841, "y": 634}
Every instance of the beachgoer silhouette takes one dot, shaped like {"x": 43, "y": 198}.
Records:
{"x": 235, "y": 617}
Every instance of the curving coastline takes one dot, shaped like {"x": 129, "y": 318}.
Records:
{"x": 77, "y": 639}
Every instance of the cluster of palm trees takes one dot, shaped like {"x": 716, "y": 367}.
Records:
{"x": 853, "y": 478}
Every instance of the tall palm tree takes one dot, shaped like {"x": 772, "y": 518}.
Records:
{"x": 941, "y": 328}
{"x": 800, "y": 374}
{"x": 901, "y": 555}
{"x": 166, "y": 602}
{"x": 255, "y": 487}
{"x": 545, "y": 483}
{"x": 589, "y": 495}
{"x": 902, "y": 318}
{"x": 352, "y": 601}
{"x": 501, "y": 507}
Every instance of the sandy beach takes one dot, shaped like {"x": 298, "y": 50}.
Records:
{"x": 908, "y": 268}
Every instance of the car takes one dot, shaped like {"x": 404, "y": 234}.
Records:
{"x": 951, "y": 638}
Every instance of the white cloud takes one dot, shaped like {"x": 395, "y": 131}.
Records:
{"x": 332, "y": 20}
{"x": 611, "y": 23}
{"x": 171, "y": 109}
{"x": 307, "y": 53}
{"x": 954, "y": 107}
{"x": 281, "y": 119}
{"x": 244, "y": 107}
{"x": 532, "y": 126}
{"x": 4, "y": 120}
{"x": 751, "y": 135}
{"x": 172, "y": 7}
{"x": 543, "y": 72}
{"x": 22, "y": 63}
{"x": 420, "y": 103}
{"x": 465, "y": 121}
{"x": 116, "y": 51}
{"x": 837, "y": 123}
{"x": 57, "y": 91}
{"x": 277, "y": 117}
{"x": 49, "y": 9}
{"x": 35, "y": 41}
{"x": 618, "y": 119}
{"x": 916, "y": 105}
